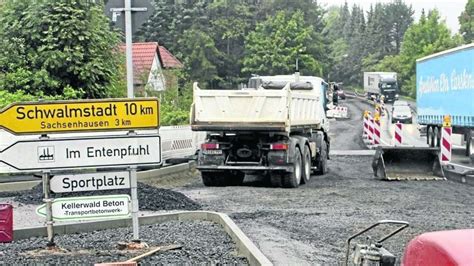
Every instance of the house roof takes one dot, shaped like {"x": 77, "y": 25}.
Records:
{"x": 144, "y": 54}
{"x": 168, "y": 60}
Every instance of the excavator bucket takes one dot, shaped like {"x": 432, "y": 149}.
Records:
{"x": 407, "y": 163}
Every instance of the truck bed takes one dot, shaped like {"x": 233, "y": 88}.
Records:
{"x": 255, "y": 109}
{"x": 445, "y": 86}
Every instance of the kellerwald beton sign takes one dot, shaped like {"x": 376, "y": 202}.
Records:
{"x": 93, "y": 207}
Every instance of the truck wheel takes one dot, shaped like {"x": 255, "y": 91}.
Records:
{"x": 234, "y": 179}
{"x": 275, "y": 179}
{"x": 292, "y": 180}
{"x": 323, "y": 160}
{"x": 437, "y": 137}
{"x": 209, "y": 179}
{"x": 430, "y": 137}
{"x": 306, "y": 174}
{"x": 469, "y": 144}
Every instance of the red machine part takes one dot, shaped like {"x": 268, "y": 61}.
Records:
{"x": 6, "y": 223}
{"x": 455, "y": 247}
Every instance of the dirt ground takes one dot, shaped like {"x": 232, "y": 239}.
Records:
{"x": 309, "y": 225}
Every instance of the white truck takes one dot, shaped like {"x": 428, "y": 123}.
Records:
{"x": 277, "y": 128}
{"x": 377, "y": 84}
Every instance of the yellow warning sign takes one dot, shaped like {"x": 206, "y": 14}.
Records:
{"x": 83, "y": 115}
{"x": 447, "y": 121}
{"x": 377, "y": 116}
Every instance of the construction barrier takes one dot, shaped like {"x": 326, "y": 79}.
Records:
{"x": 365, "y": 131}
{"x": 376, "y": 129}
{"x": 371, "y": 128}
{"x": 337, "y": 112}
{"x": 446, "y": 143}
{"x": 398, "y": 134}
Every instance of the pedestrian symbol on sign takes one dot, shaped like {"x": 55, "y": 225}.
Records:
{"x": 45, "y": 154}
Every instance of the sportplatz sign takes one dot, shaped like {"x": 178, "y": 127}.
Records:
{"x": 90, "y": 182}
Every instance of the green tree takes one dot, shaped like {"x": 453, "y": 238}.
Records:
{"x": 200, "y": 56}
{"x": 161, "y": 26}
{"x": 47, "y": 46}
{"x": 428, "y": 36}
{"x": 399, "y": 18}
{"x": 466, "y": 20}
{"x": 230, "y": 23}
{"x": 274, "y": 45}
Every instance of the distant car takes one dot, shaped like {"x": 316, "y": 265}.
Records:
{"x": 399, "y": 103}
{"x": 402, "y": 113}
{"x": 341, "y": 94}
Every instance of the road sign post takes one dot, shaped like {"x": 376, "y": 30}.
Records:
{"x": 49, "y": 212}
{"x": 135, "y": 207}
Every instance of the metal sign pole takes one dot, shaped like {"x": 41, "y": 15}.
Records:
{"x": 49, "y": 208}
{"x": 128, "y": 47}
{"x": 133, "y": 186}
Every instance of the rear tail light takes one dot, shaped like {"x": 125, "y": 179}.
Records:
{"x": 210, "y": 146}
{"x": 279, "y": 146}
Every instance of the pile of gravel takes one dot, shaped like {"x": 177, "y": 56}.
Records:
{"x": 149, "y": 197}
{"x": 202, "y": 243}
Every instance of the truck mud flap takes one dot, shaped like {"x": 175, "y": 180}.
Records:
{"x": 407, "y": 163}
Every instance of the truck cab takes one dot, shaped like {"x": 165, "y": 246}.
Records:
{"x": 389, "y": 88}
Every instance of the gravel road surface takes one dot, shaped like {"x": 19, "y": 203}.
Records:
{"x": 202, "y": 243}
{"x": 310, "y": 225}
{"x": 346, "y": 133}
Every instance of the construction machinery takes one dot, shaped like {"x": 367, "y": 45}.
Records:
{"x": 407, "y": 163}
{"x": 452, "y": 247}
{"x": 445, "y": 93}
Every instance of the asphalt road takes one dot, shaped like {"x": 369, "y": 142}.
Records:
{"x": 309, "y": 225}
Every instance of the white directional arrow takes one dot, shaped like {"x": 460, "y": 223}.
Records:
{"x": 66, "y": 153}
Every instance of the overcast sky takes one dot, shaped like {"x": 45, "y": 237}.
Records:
{"x": 449, "y": 9}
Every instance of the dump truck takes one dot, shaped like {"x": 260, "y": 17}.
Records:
{"x": 450, "y": 247}
{"x": 444, "y": 88}
{"x": 276, "y": 128}
{"x": 377, "y": 84}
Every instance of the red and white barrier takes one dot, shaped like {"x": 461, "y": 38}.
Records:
{"x": 365, "y": 132}
{"x": 446, "y": 145}
{"x": 337, "y": 112}
{"x": 376, "y": 132}
{"x": 371, "y": 128}
{"x": 398, "y": 134}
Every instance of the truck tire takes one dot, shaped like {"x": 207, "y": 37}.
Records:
{"x": 210, "y": 179}
{"x": 469, "y": 144}
{"x": 292, "y": 180}
{"x": 430, "y": 137}
{"x": 275, "y": 179}
{"x": 306, "y": 173}
{"x": 222, "y": 179}
{"x": 437, "y": 137}
{"x": 323, "y": 160}
{"x": 234, "y": 179}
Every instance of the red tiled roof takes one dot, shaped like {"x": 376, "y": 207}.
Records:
{"x": 168, "y": 60}
{"x": 143, "y": 56}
